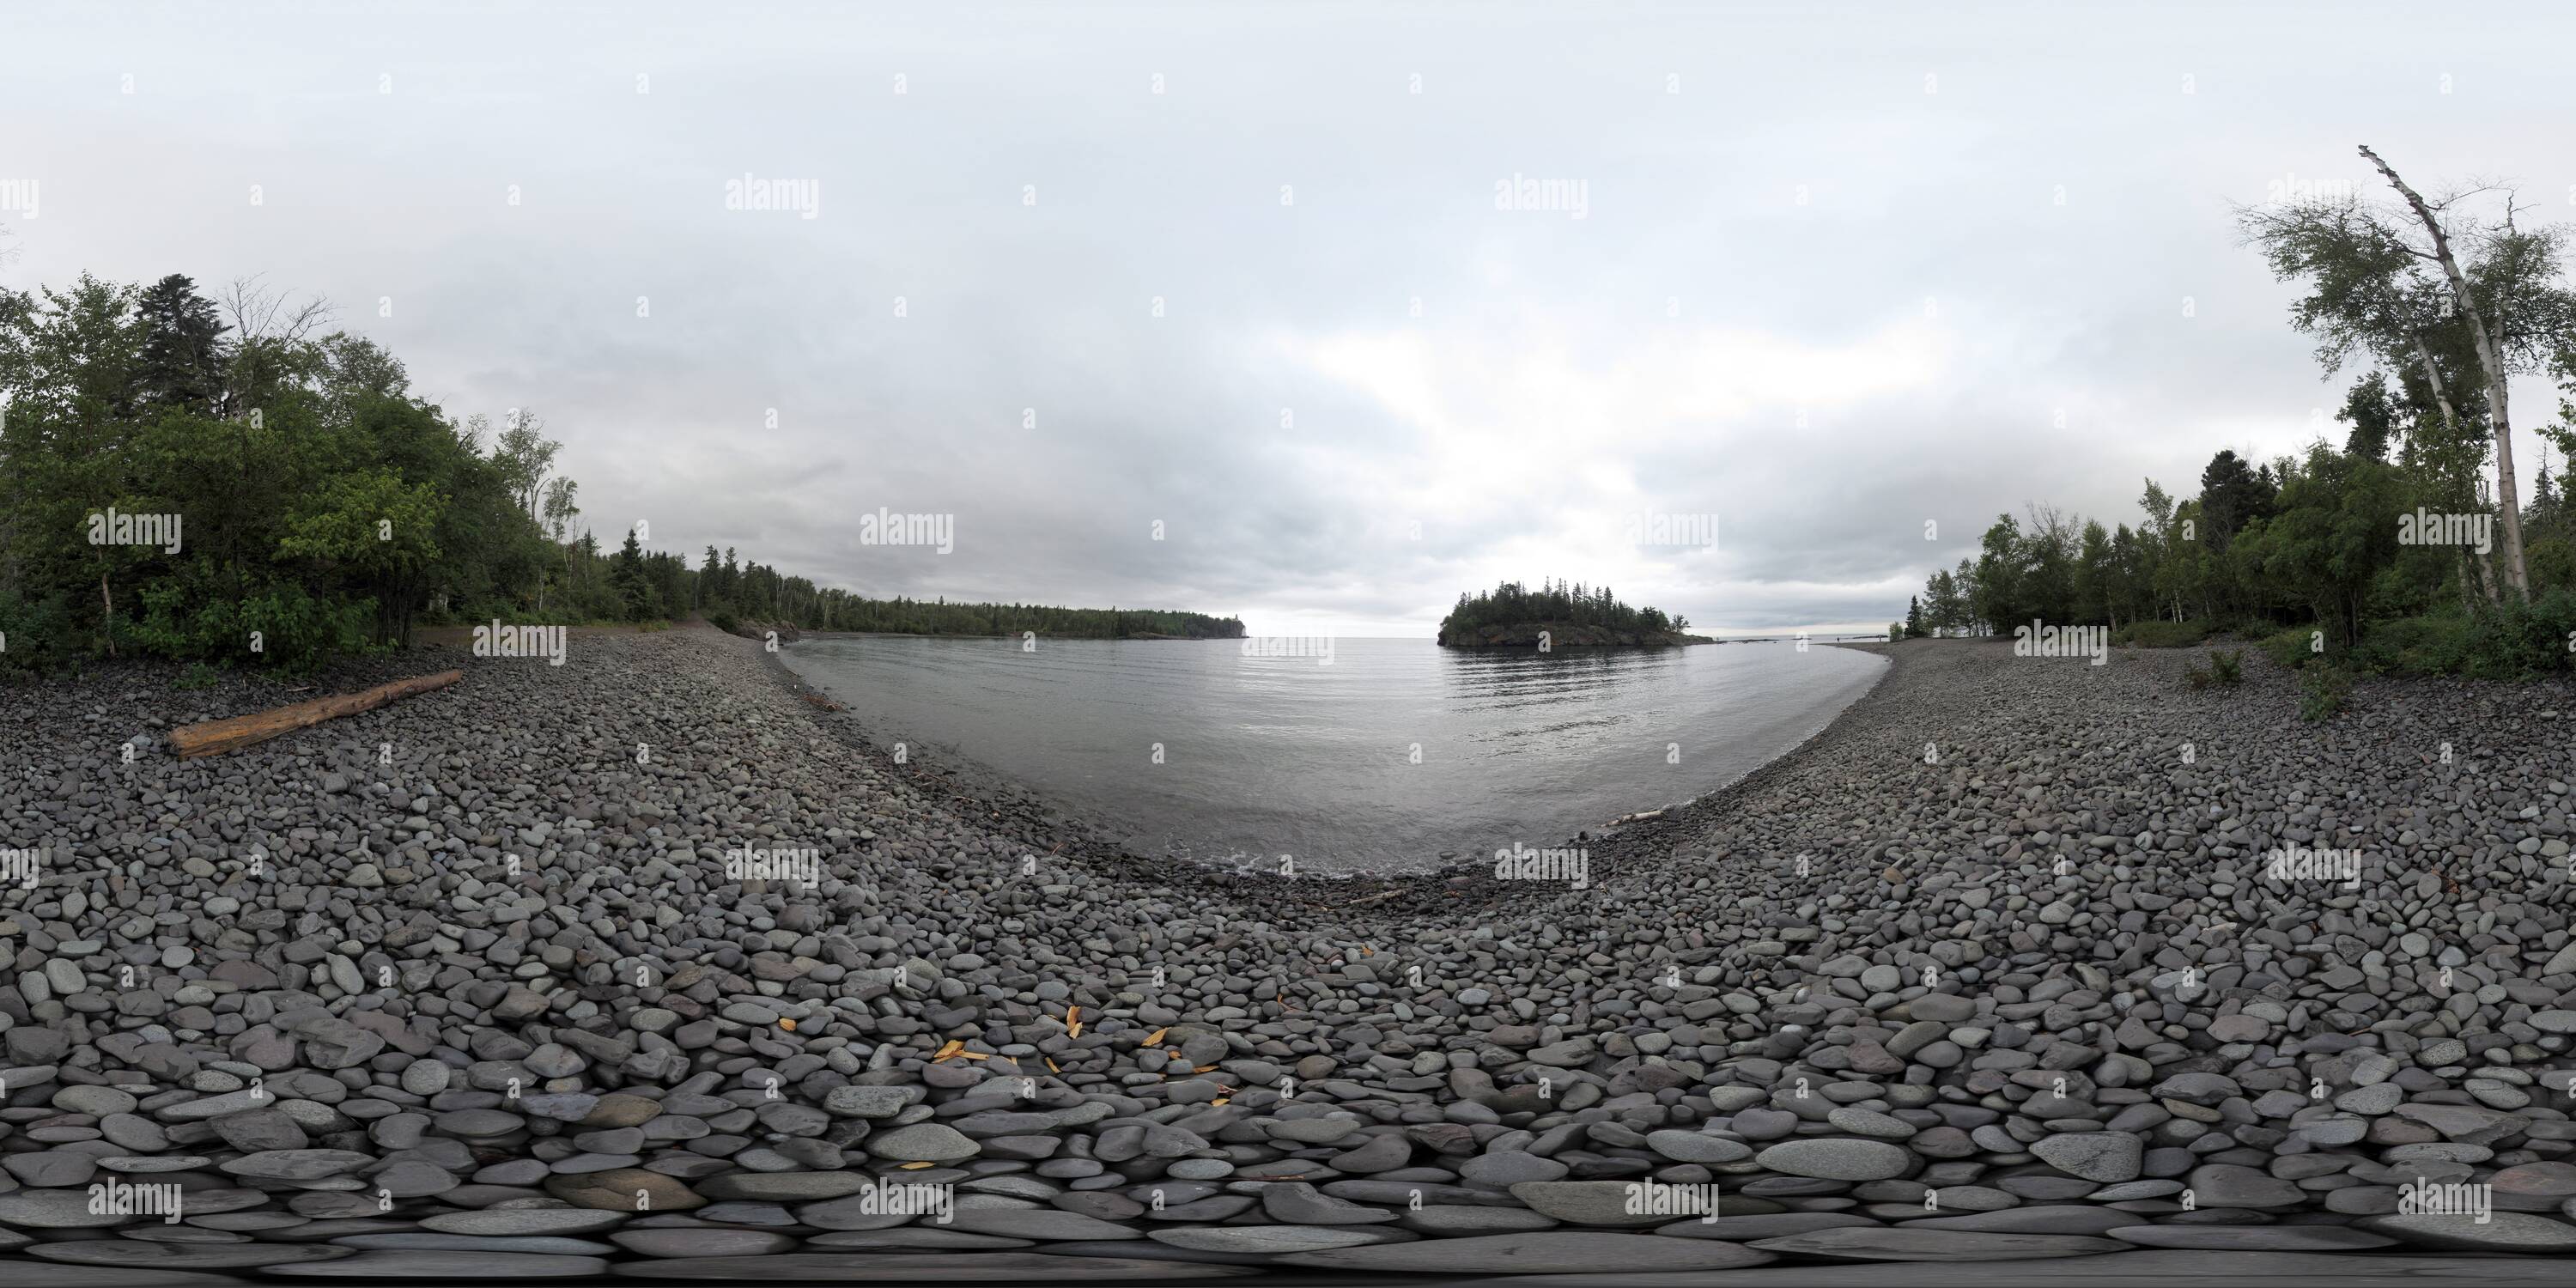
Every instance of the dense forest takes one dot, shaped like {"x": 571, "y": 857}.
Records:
{"x": 2389, "y": 550}
{"x": 226, "y": 481}
{"x": 1513, "y": 604}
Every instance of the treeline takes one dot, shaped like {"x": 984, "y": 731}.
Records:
{"x": 1512, "y": 604}
{"x": 633, "y": 585}
{"x": 2390, "y": 549}
{"x": 839, "y": 611}
{"x": 211, "y": 480}
{"x": 2329, "y": 540}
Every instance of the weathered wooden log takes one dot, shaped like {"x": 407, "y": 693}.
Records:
{"x": 215, "y": 737}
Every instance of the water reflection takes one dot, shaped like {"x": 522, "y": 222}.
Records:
{"x": 1391, "y": 755}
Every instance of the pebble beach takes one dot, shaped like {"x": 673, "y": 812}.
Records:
{"x": 2022, "y": 967}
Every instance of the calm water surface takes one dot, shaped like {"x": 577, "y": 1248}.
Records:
{"x": 1384, "y": 758}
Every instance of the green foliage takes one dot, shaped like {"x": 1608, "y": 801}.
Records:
{"x": 1895, "y": 632}
{"x": 2324, "y": 689}
{"x": 1512, "y": 604}
{"x": 35, "y": 635}
{"x": 2430, "y": 644}
{"x": 211, "y": 613}
{"x": 724, "y": 621}
{"x": 198, "y": 676}
{"x": 2553, "y": 563}
{"x": 2158, "y": 633}
{"x": 2516, "y": 640}
{"x": 2233, "y": 495}
{"x": 2227, "y": 668}
{"x": 2291, "y": 648}
{"x": 635, "y": 590}
{"x": 321, "y": 504}
{"x": 2334, "y": 529}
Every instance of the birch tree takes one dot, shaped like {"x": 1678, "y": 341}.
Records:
{"x": 2414, "y": 284}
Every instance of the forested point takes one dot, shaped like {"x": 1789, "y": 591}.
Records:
{"x": 2388, "y": 551}
{"x": 231, "y": 482}
{"x": 939, "y": 617}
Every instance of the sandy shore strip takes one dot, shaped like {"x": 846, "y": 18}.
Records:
{"x": 2019, "y": 958}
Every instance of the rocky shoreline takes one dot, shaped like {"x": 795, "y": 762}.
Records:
{"x": 1999, "y": 971}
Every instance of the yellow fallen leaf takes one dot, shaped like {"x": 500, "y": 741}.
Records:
{"x": 1073, "y": 1021}
{"x": 954, "y": 1046}
{"x": 1205, "y": 1068}
{"x": 787, "y": 1024}
{"x": 915, "y": 1167}
{"x": 973, "y": 1055}
{"x": 1051, "y": 1065}
{"x": 1156, "y": 1037}
{"x": 1219, "y": 1100}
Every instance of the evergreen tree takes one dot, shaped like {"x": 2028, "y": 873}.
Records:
{"x": 627, "y": 576}
{"x": 182, "y": 350}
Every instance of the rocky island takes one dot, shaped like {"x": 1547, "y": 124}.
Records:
{"x": 1558, "y": 616}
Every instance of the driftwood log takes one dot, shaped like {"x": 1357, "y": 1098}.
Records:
{"x": 215, "y": 737}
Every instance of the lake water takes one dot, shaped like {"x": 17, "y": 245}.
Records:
{"x": 1381, "y": 758}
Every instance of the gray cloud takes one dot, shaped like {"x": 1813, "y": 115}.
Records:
{"x": 1753, "y": 249}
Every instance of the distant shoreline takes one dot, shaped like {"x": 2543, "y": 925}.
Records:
{"x": 946, "y": 635}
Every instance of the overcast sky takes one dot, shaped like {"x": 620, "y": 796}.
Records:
{"x": 1836, "y": 271}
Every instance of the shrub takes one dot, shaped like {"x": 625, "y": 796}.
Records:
{"x": 652, "y": 626}
{"x": 2227, "y": 669}
{"x": 2516, "y": 640}
{"x": 1895, "y": 631}
{"x": 35, "y": 634}
{"x": 2197, "y": 677}
{"x": 724, "y": 621}
{"x": 198, "y": 676}
{"x": 201, "y": 613}
{"x": 2291, "y": 648}
{"x": 2429, "y": 645}
{"x": 2323, "y": 690}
